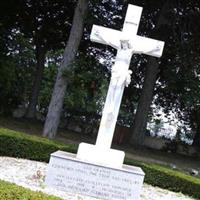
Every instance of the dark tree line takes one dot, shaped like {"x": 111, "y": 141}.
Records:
{"x": 34, "y": 34}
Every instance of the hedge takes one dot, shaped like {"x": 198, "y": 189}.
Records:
{"x": 10, "y": 191}
{"x": 169, "y": 179}
{"x": 16, "y": 144}
{"x": 20, "y": 145}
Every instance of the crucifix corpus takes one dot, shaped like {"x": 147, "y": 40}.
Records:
{"x": 127, "y": 43}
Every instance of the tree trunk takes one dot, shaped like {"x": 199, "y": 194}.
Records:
{"x": 144, "y": 104}
{"x": 56, "y": 104}
{"x": 196, "y": 140}
{"x": 40, "y": 57}
{"x": 196, "y": 118}
{"x": 140, "y": 121}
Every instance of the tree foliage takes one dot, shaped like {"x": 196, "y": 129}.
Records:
{"x": 27, "y": 25}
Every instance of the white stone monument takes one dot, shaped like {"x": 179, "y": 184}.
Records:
{"x": 98, "y": 170}
{"x": 127, "y": 43}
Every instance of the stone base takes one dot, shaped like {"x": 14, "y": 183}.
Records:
{"x": 66, "y": 172}
{"x": 98, "y": 155}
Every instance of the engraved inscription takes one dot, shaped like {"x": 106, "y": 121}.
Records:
{"x": 93, "y": 180}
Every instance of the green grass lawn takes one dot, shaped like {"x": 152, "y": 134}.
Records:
{"x": 10, "y": 191}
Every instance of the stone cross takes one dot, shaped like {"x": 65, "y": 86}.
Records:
{"x": 127, "y": 43}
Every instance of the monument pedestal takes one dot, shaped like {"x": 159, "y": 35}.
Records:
{"x": 99, "y": 155}
{"x": 68, "y": 173}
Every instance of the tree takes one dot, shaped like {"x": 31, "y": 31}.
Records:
{"x": 152, "y": 70}
{"x": 16, "y": 63}
{"x": 48, "y": 21}
{"x": 55, "y": 106}
{"x": 177, "y": 82}
{"x": 45, "y": 24}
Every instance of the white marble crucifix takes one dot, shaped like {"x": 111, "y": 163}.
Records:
{"x": 127, "y": 43}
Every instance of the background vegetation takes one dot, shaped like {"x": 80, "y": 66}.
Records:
{"x": 34, "y": 35}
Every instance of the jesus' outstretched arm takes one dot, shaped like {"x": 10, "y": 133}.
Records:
{"x": 106, "y": 36}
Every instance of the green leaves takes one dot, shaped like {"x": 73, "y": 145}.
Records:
{"x": 85, "y": 79}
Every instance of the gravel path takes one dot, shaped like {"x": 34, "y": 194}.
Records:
{"x": 30, "y": 174}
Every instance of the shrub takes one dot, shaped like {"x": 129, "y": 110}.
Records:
{"x": 166, "y": 178}
{"x": 10, "y": 191}
{"x": 20, "y": 145}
